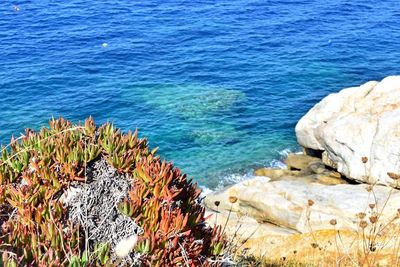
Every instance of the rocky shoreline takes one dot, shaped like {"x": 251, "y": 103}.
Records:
{"x": 344, "y": 183}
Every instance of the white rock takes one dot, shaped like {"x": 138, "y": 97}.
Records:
{"x": 354, "y": 123}
{"x": 285, "y": 203}
{"x": 125, "y": 246}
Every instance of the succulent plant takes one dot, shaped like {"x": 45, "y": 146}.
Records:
{"x": 38, "y": 167}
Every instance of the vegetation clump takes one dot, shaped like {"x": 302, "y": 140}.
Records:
{"x": 42, "y": 223}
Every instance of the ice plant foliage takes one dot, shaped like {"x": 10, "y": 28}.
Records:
{"x": 37, "y": 168}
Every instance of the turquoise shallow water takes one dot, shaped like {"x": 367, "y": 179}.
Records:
{"x": 217, "y": 85}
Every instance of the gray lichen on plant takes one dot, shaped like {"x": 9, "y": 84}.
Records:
{"x": 94, "y": 205}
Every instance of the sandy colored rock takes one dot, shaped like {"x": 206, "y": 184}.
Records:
{"x": 354, "y": 123}
{"x": 275, "y": 173}
{"x": 324, "y": 248}
{"x": 329, "y": 180}
{"x": 313, "y": 171}
{"x": 300, "y": 161}
{"x": 333, "y": 174}
{"x": 317, "y": 167}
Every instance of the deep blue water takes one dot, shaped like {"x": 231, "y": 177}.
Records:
{"x": 217, "y": 85}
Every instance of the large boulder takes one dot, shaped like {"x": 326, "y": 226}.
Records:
{"x": 358, "y": 131}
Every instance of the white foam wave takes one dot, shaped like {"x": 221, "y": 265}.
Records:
{"x": 278, "y": 164}
{"x": 285, "y": 152}
{"x": 235, "y": 178}
{"x": 205, "y": 191}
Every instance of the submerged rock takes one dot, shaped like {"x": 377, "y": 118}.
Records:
{"x": 190, "y": 101}
{"x": 357, "y": 130}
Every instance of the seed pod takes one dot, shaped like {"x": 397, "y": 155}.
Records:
{"x": 373, "y": 219}
{"x": 361, "y": 215}
{"x": 394, "y": 176}
{"x": 372, "y": 247}
{"x": 363, "y": 224}
{"x": 310, "y": 202}
{"x": 233, "y": 199}
{"x": 333, "y": 222}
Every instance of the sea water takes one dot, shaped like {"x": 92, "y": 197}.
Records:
{"x": 218, "y": 86}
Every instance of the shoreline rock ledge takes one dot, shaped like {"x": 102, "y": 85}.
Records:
{"x": 345, "y": 181}
{"x": 355, "y": 123}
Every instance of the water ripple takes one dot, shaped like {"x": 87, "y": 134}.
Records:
{"x": 217, "y": 85}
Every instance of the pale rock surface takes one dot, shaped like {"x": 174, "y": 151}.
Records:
{"x": 357, "y": 122}
{"x": 285, "y": 203}
{"x": 286, "y": 219}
